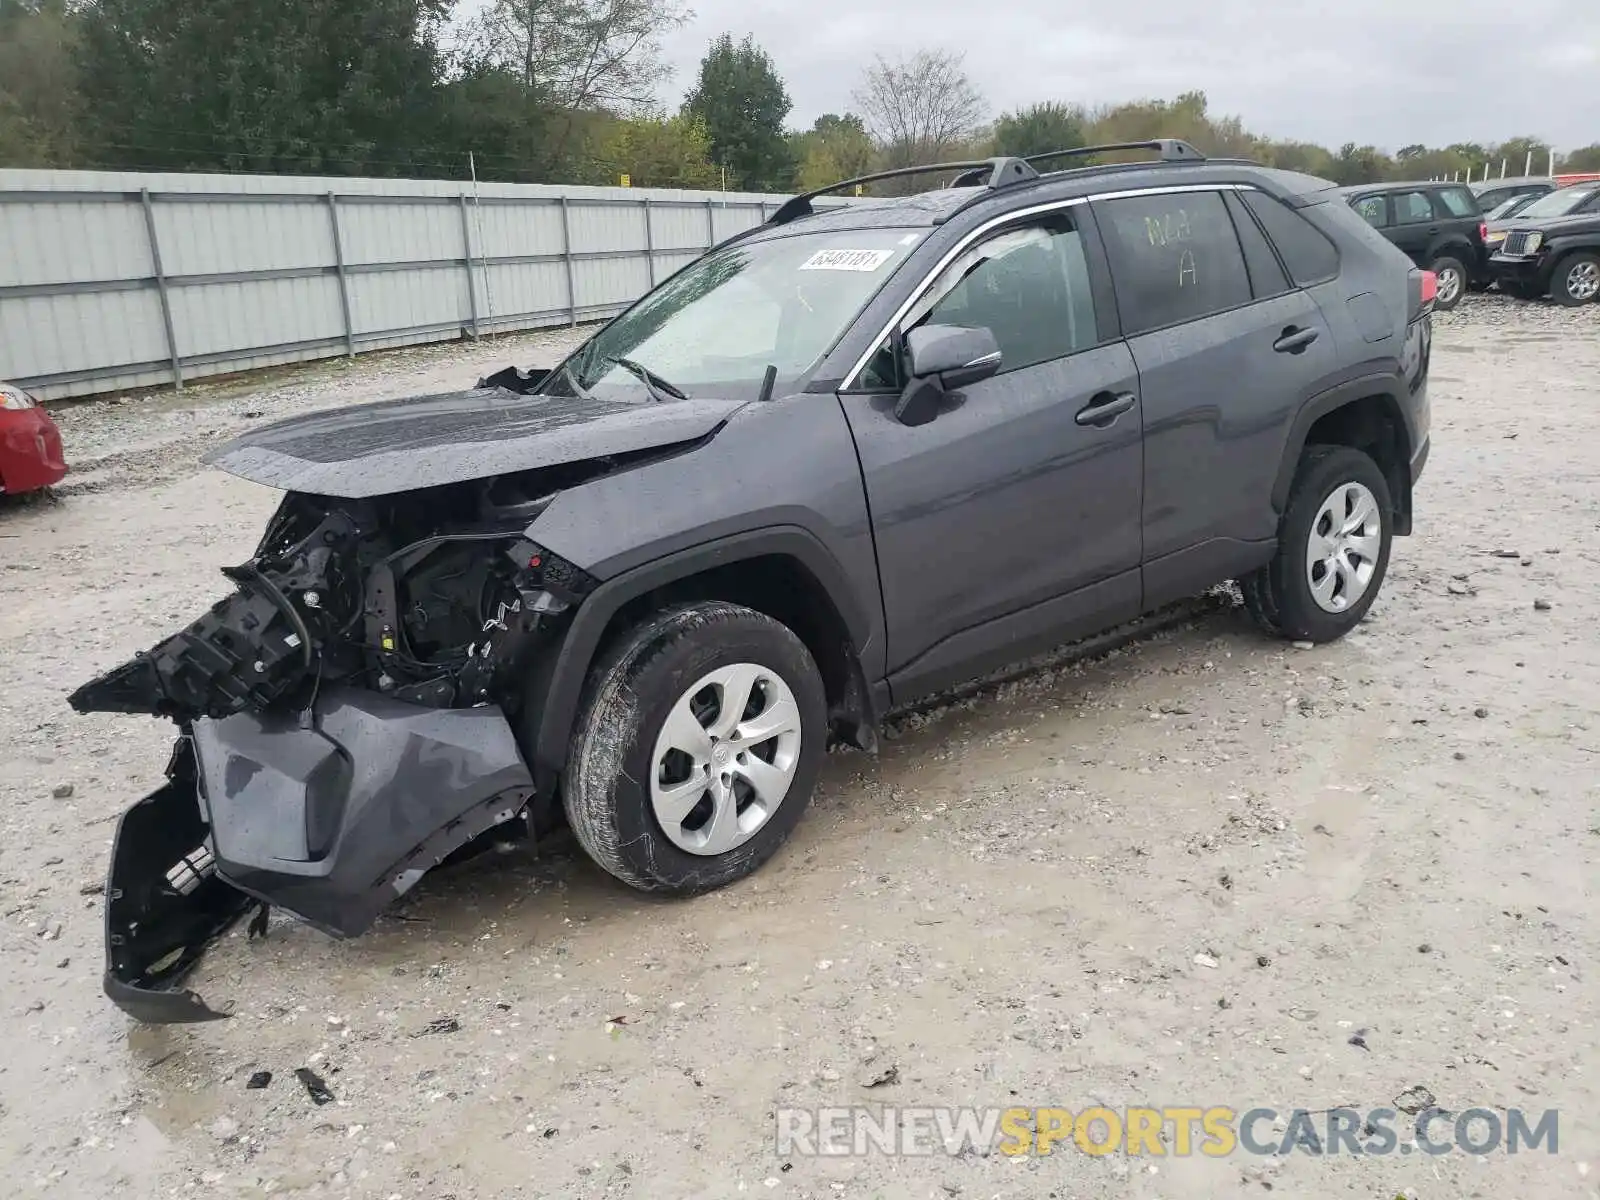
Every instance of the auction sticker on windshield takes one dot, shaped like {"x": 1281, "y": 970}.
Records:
{"x": 847, "y": 260}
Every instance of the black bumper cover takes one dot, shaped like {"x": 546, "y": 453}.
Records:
{"x": 331, "y": 819}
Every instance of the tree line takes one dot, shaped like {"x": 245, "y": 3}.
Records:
{"x": 549, "y": 91}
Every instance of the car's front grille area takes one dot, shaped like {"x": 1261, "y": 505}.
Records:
{"x": 1515, "y": 243}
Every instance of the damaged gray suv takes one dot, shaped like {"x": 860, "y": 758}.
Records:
{"x": 843, "y": 461}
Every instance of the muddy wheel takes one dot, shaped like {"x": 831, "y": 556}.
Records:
{"x": 1333, "y": 548}
{"x": 697, "y": 748}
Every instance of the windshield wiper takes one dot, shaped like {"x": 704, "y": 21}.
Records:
{"x": 658, "y": 387}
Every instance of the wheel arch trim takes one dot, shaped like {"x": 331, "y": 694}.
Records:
{"x": 1340, "y": 396}
{"x": 570, "y": 670}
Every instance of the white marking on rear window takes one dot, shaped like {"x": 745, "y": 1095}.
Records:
{"x": 847, "y": 260}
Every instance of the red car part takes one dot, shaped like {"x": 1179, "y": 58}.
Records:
{"x": 30, "y": 444}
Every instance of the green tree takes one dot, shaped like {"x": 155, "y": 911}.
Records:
{"x": 292, "y": 86}
{"x": 662, "y": 152}
{"x": 1360, "y": 164}
{"x": 743, "y": 105}
{"x": 40, "y": 122}
{"x": 1041, "y": 128}
{"x": 1515, "y": 154}
{"x": 1581, "y": 161}
{"x": 834, "y": 148}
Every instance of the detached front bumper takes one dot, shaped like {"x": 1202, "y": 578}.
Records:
{"x": 330, "y": 816}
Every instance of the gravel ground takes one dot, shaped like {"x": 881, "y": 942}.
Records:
{"x": 1207, "y": 869}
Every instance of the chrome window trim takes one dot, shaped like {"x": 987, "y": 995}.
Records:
{"x": 851, "y": 379}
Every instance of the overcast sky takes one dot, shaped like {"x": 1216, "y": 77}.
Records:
{"x": 1386, "y": 72}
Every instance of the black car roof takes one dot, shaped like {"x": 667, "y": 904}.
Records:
{"x": 930, "y": 208}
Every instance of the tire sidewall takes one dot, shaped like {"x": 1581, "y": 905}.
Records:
{"x": 1563, "y": 273}
{"x": 1450, "y": 262}
{"x": 638, "y": 695}
{"x": 1298, "y": 611}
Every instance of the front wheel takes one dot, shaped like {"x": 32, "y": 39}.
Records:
{"x": 1333, "y": 548}
{"x": 1576, "y": 279}
{"x": 697, "y": 748}
{"x": 1452, "y": 274}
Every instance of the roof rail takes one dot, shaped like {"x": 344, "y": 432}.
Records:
{"x": 1170, "y": 150}
{"x": 987, "y": 172}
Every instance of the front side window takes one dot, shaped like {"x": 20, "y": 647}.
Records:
{"x": 714, "y": 328}
{"x": 1174, "y": 258}
{"x": 1372, "y": 210}
{"x": 1028, "y": 285}
{"x": 1412, "y": 208}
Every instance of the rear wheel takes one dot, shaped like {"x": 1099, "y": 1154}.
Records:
{"x": 697, "y": 749}
{"x": 1452, "y": 273}
{"x": 1576, "y": 279}
{"x": 1333, "y": 548}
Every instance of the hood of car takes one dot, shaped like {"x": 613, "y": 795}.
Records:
{"x": 402, "y": 445}
{"x": 1571, "y": 223}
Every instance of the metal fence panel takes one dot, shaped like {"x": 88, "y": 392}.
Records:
{"x": 112, "y": 280}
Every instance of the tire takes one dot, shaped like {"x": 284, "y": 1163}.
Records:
{"x": 622, "y": 755}
{"x": 1449, "y": 266}
{"x": 1281, "y": 596}
{"x": 1576, "y": 279}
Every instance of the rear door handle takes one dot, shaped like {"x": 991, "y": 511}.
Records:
{"x": 1105, "y": 407}
{"x": 1293, "y": 340}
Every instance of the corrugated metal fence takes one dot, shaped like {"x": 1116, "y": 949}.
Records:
{"x": 111, "y": 281}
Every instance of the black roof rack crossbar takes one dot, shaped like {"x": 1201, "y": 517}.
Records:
{"x": 987, "y": 172}
{"x": 1169, "y": 149}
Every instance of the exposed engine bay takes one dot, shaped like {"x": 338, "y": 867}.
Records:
{"x": 431, "y": 597}
{"x": 346, "y": 715}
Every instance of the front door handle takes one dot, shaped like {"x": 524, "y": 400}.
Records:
{"x": 1105, "y": 407}
{"x": 1293, "y": 340}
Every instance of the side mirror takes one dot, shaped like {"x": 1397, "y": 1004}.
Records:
{"x": 952, "y": 355}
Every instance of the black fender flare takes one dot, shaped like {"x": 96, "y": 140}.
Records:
{"x": 1320, "y": 405}
{"x": 569, "y": 667}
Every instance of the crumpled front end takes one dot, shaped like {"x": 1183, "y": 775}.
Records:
{"x": 348, "y": 718}
{"x": 331, "y": 818}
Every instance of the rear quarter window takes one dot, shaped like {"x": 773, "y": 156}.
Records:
{"x": 1308, "y": 253}
{"x": 1459, "y": 202}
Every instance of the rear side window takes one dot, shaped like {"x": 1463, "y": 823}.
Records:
{"x": 1372, "y": 210}
{"x": 1412, "y": 208}
{"x": 1308, "y": 253}
{"x": 1459, "y": 202}
{"x": 1174, "y": 258}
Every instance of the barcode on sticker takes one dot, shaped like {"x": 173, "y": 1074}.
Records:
{"x": 847, "y": 260}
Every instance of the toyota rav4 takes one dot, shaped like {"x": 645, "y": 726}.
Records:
{"x": 843, "y": 461}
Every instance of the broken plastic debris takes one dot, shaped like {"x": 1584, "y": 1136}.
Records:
{"x": 315, "y": 1087}
{"x": 259, "y": 1080}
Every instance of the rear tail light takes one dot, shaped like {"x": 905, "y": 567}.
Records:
{"x": 1483, "y": 231}
{"x": 1424, "y": 291}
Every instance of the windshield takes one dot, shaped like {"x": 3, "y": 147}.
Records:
{"x": 1557, "y": 203}
{"x": 1514, "y": 205}
{"x": 713, "y": 329}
